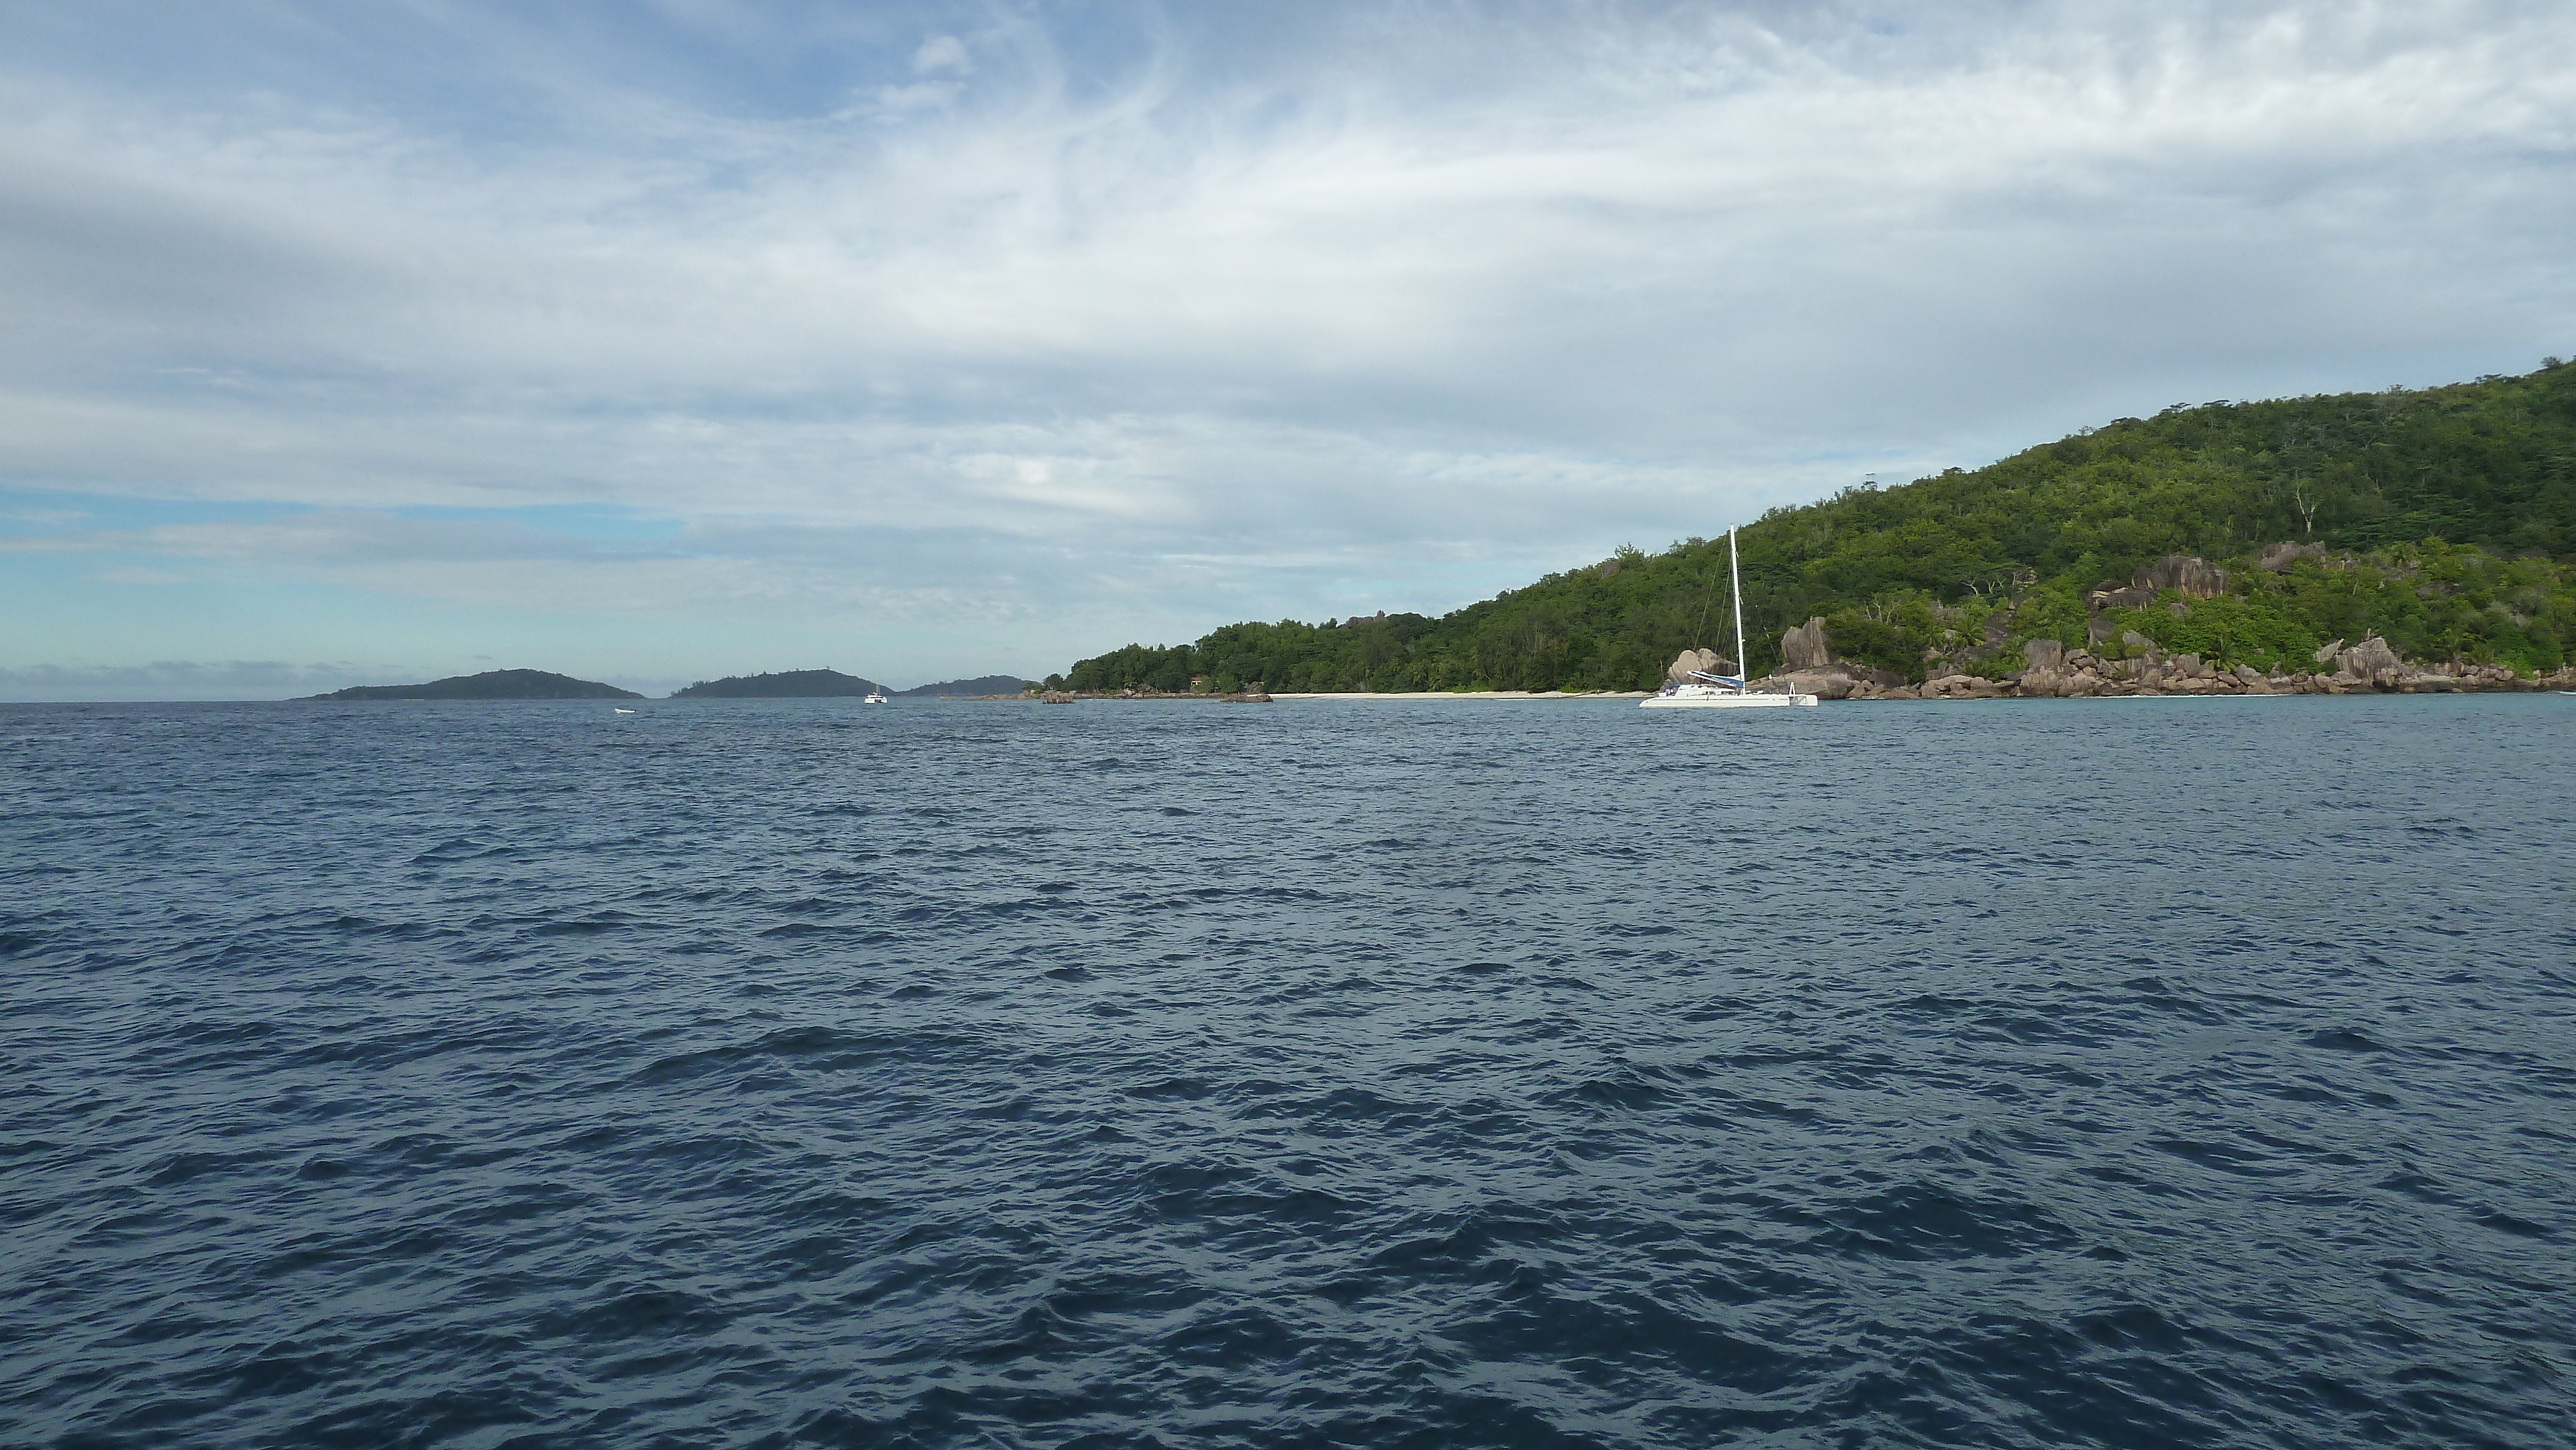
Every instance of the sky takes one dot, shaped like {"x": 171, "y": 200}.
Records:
{"x": 658, "y": 341}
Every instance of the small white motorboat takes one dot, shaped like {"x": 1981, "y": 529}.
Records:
{"x": 874, "y": 697}
{"x": 1723, "y": 692}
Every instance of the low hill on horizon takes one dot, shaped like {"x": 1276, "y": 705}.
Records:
{"x": 489, "y": 685}
{"x": 783, "y": 685}
{"x": 2441, "y": 519}
{"x": 980, "y": 685}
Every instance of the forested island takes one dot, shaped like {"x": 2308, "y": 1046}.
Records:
{"x": 978, "y": 687}
{"x": 784, "y": 685}
{"x": 489, "y": 685}
{"x": 787, "y": 684}
{"x": 832, "y": 684}
{"x": 2410, "y": 534}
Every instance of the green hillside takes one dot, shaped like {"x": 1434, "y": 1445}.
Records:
{"x": 2446, "y": 519}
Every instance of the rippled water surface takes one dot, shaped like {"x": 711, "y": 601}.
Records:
{"x": 2137, "y": 1072}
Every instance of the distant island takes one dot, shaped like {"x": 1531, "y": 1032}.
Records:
{"x": 785, "y": 685}
{"x": 980, "y": 685}
{"x": 832, "y": 684}
{"x": 489, "y": 685}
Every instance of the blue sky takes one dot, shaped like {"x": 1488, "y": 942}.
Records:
{"x": 656, "y": 341}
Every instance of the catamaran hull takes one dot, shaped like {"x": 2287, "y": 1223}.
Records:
{"x": 1728, "y": 701}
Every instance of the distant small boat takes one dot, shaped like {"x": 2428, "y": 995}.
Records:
{"x": 875, "y": 697}
{"x": 622, "y": 710}
{"x": 1704, "y": 691}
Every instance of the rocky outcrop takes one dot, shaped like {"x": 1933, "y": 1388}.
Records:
{"x": 1824, "y": 684}
{"x": 1966, "y": 669}
{"x": 2123, "y": 596}
{"x": 1804, "y": 648}
{"x": 1810, "y": 667}
{"x": 1962, "y": 687}
{"x": 2046, "y": 676}
{"x": 1706, "y": 661}
{"x": 2374, "y": 662}
{"x": 2059, "y": 673}
{"x": 1834, "y": 680}
{"x": 2193, "y": 576}
{"x": 2280, "y": 557}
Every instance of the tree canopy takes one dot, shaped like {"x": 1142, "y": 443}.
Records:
{"x": 2447, "y": 517}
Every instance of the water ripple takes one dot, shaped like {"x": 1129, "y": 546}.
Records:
{"x": 793, "y": 1073}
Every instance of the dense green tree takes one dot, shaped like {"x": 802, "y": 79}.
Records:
{"x": 2449, "y": 514}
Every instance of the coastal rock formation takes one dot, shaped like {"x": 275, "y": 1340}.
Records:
{"x": 1804, "y": 648}
{"x": 1706, "y": 661}
{"x": 2372, "y": 662}
{"x": 2189, "y": 573}
{"x": 1253, "y": 692}
{"x": 1832, "y": 679}
{"x": 2056, "y": 672}
{"x": 2046, "y": 676}
{"x": 1825, "y": 684}
{"x": 1962, "y": 687}
{"x": 1809, "y": 666}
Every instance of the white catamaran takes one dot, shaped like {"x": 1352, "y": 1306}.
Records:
{"x": 1722, "y": 692}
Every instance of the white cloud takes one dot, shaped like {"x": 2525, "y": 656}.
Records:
{"x": 941, "y": 53}
{"x": 1192, "y": 319}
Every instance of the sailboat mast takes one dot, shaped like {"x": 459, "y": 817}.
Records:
{"x": 1735, "y": 574}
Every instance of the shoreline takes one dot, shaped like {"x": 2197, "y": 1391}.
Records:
{"x": 1960, "y": 691}
{"x": 1462, "y": 695}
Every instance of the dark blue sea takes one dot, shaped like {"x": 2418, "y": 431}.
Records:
{"x": 2190, "y": 1072}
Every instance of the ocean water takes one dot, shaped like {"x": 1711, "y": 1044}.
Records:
{"x": 2133, "y": 1072}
